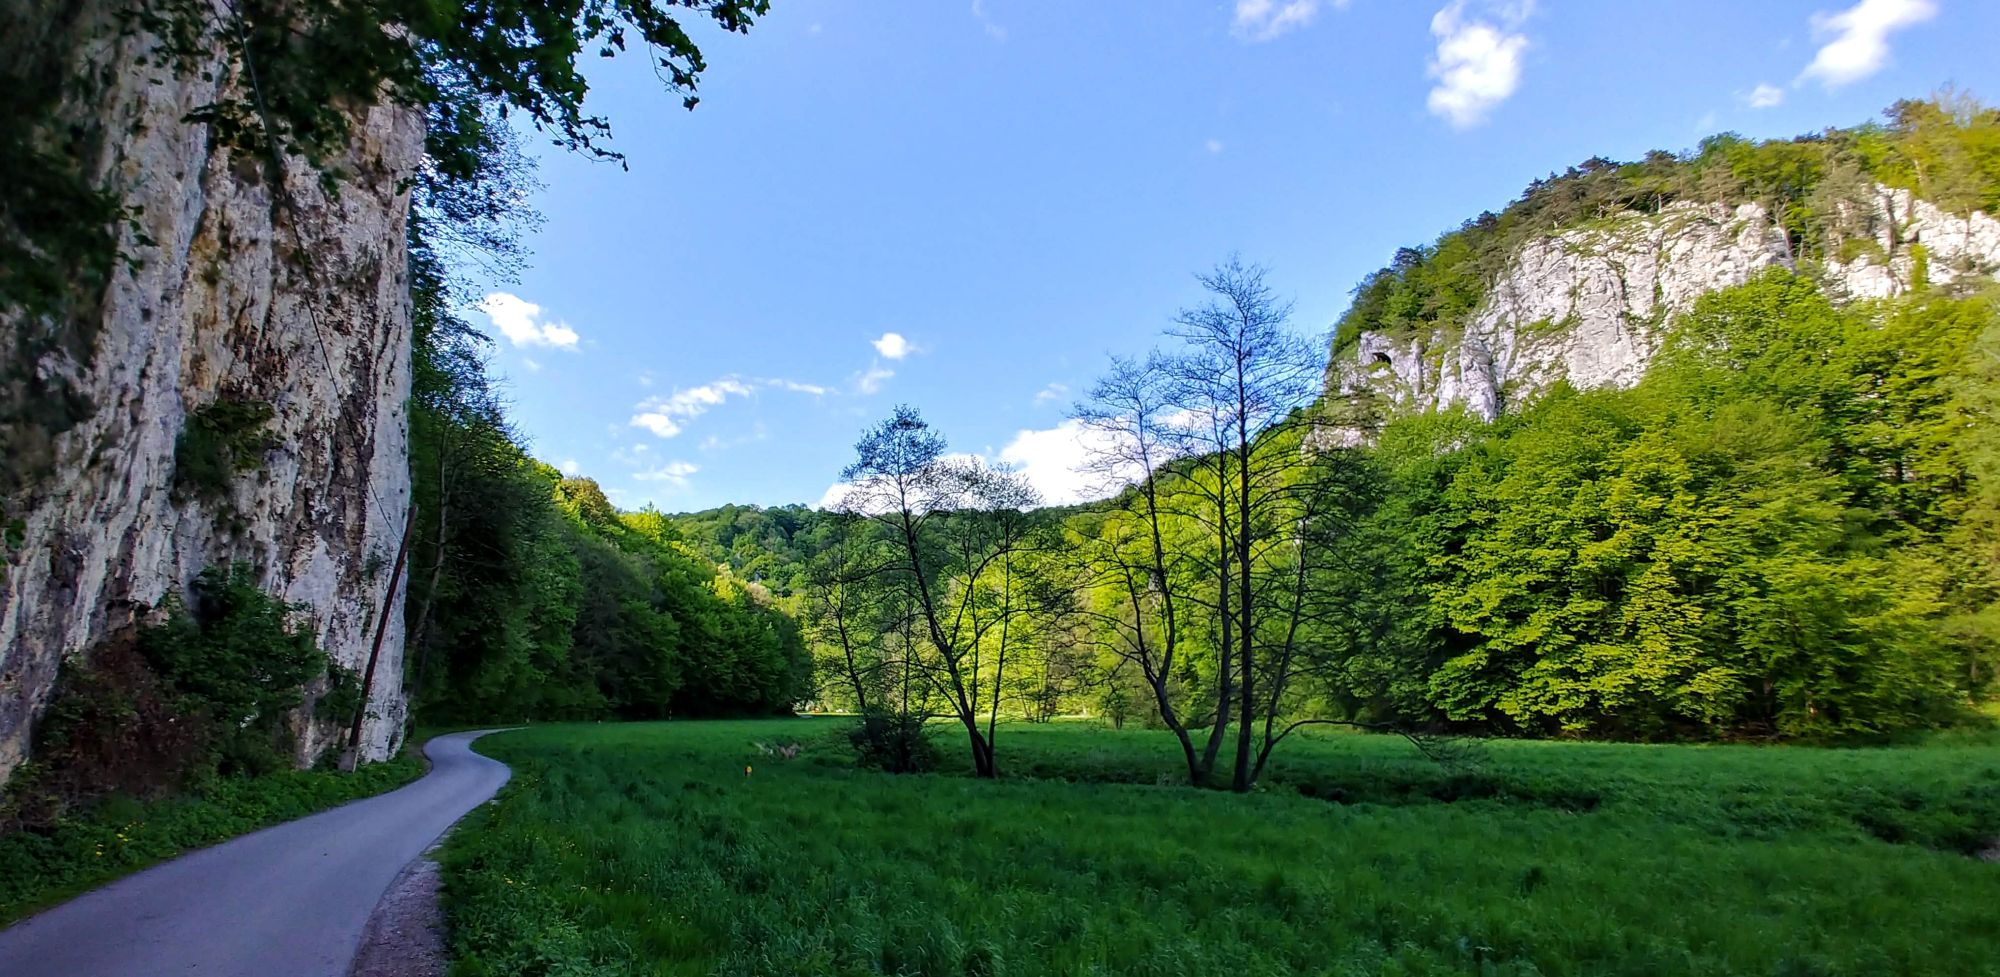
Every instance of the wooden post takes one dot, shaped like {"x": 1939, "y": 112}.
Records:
{"x": 353, "y": 758}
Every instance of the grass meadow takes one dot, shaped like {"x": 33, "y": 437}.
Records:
{"x": 648, "y": 849}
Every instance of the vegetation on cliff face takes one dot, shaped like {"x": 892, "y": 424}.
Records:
{"x": 209, "y": 693}
{"x": 289, "y": 81}
{"x": 1817, "y": 189}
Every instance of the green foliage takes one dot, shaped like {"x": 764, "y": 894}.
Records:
{"x": 303, "y": 65}
{"x": 342, "y": 696}
{"x": 647, "y": 849}
{"x": 535, "y": 598}
{"x": 209, "y": 692}
{"x": 239, "y": 660}
{"x": 1763, "y": 537}
{"x": 893, "y": 742}
{"x": 220, "y": 441}
{"x": 769, "y": 546}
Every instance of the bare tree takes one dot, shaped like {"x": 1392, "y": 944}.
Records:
{"x": 953, "y": 522}
{"x": 846, "y": 610}
{"x": 1212, "y": 435}
{"x": 1138, "y": 430}
{"x": 1249, "y": 376}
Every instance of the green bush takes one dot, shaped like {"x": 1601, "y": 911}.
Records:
{"x": 237, "y": 660}
{"x": 893, "y": 742}
{"x": 209, "y": 692}
{"x": 220, "y": 441}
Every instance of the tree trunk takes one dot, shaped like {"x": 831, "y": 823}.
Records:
{"x": 1245, "y": 629}
{"x": 1225, "y": 688}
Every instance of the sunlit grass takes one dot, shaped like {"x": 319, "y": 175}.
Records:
{"x": 647, "y": 849}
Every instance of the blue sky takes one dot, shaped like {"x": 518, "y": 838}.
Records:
{"x": 966, "y": 205}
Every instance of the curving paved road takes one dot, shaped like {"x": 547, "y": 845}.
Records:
{"x": 287, "y": 901}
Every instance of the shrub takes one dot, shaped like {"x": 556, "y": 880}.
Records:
{"x": 893, "y": 742}
{"x": 220, "y": 441}
{"x": 158, "y": 709}
{"x": 112, "y": 728}
{"x": 237, "y": 660}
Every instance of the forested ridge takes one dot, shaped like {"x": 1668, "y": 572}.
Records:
{"x": 532, "y": 597}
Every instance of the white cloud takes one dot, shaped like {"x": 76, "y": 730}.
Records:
{"x": 993, "y": 30}
{"x": 871, "y": 381}
{"x": 1478, "y": 61}
{"x": 1214, "y": 146}
{"x": 830, "y": 499}
{"x": 533, "y": 365}
{"x": 657, "y": 423}
{"x": 522, "y": 322}
{"x": 893, "y": 346}
{"x": 674, "y": 473}
{"x": 1056, "y": 461}
{"x": 664, "y": 415}
{"x": 569, "y": 466}
{"x": 1859, "y": 44}
{"x": 798, "y": 387}
{"x": 1052, "y": 393}
{"x": 1764, "y": 97}
{"x": 1263, "y": 20}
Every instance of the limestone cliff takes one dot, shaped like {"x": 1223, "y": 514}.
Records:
{"x": 1589, "y": 304}
{"x": 230, "y": 290}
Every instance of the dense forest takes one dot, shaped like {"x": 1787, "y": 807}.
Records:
{"x": 1785, "y": 530}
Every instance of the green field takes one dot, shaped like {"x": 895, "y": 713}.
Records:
{"x": 647, "y": 849}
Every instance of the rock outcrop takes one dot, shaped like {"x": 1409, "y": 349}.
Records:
{"x": 295, "y": 300}
{"x": 1589, "y": 305}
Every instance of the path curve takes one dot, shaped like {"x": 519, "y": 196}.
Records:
{"x": 288, "y": 901}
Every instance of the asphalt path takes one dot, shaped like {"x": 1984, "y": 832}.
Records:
{"x": 288, "y": 901}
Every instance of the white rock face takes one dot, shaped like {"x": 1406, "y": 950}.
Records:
{"x": 1590, "y": 304}
{"x": 304, "y": 309}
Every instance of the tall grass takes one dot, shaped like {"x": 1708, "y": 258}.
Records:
{"x": 648, "y": 849}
